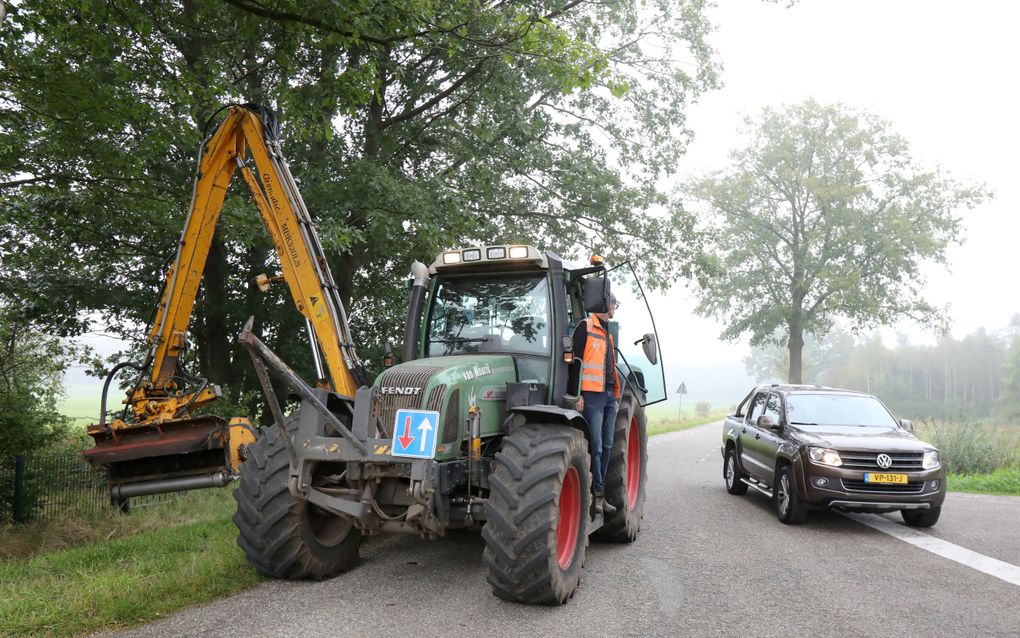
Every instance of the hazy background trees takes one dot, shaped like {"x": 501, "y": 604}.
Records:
{"x": 976, "y": 377}
{"x": 823, "y": 214}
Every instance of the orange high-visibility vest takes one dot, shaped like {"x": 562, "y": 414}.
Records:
{"x": 593, "y": 364}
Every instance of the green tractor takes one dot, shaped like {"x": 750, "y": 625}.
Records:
{"x": 470, "y": 430}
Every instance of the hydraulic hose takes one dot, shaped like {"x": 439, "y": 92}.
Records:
{"x": 106, "y": 387}
{"x": 412, "y": 328}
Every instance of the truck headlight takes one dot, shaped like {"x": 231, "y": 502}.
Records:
{"x": 825, "y": 456}
{"x": 930, "y": 460}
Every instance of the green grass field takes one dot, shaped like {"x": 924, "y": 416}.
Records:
{"x": 84, "y": 409}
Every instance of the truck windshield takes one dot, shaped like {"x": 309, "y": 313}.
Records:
{"x": 489, "y": 314}
{"x": 837, "y": 409}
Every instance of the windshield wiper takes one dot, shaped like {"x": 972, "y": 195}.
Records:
{"x": 802, "y": 423}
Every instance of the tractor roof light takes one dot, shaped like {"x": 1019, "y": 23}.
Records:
{"x": 496, "y": 256}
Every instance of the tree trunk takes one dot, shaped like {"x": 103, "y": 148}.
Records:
{"x": 217, "y": 332}
{"x": 796, "y": 346}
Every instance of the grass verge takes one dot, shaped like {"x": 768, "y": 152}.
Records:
{"x": 127, "y": 580}
{"x": 1002, "y": 482}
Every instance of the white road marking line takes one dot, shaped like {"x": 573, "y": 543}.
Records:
{"x": 986, "y": 564}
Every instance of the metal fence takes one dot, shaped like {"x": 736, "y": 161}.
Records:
{"x": 45, "y": 485}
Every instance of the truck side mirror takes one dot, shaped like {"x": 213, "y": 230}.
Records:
{"x": 765, "y": 422}
{"x": 907, "y": 425}
{"x": 650, "y": 347}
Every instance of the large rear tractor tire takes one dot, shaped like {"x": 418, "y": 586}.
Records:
{"x": 627, "y": 475}
{"x": 283, "y": 536}
{"x": 537, "y": 528}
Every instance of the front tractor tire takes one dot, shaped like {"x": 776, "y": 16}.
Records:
{"x": 627, "y": 475}
{"x": 537, "y": 528}
{"x": 283, "y": 536}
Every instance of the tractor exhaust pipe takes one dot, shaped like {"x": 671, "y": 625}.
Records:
{"x": 161, "y": 486}
{"x": 412, "y": 328}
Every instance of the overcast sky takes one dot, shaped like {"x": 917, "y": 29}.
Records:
{"x": 942, "y": 72}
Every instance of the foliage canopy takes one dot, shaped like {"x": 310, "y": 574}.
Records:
{"x": 411, "y": 126}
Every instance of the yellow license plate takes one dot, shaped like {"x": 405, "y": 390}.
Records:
{"x": 872, "y": 477}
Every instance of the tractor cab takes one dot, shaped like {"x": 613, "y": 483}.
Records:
{"x": 522, "y": 304}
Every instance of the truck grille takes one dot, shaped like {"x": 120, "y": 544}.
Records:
{"x": 387, "y": 405}
{"x": 894, "y": 488}
{"x": 901, "y": 461}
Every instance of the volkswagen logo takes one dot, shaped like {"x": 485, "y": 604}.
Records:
{"x": 884, "y": 461}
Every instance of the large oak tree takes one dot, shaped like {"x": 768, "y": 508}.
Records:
{"x": 824, "y": 214}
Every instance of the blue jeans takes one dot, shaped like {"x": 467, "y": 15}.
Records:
{"x": 600, "y": 413}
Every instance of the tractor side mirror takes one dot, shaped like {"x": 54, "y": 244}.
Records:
{"x": 650, "y": 347}
{"x": 596, "y": 294}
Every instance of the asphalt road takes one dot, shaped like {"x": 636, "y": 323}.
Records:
{"x": 706, "y": 564}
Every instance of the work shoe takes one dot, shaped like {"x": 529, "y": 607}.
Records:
{"x": 606, "y": 506}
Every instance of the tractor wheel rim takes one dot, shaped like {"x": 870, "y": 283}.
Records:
{"x": 570, "y": 518}
{"x": 633, "y": 464}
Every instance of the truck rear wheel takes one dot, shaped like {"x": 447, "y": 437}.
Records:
{"x": 283, "y": 536}
{"x": 537, "y": 528}
{"x": 627, "y": 476}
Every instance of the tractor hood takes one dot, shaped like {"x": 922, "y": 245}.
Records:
{"x": 450, "y": 386}
{"x": 452, "y": 370}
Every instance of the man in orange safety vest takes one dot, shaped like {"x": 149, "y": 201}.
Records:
{"x": 598, "y": 394}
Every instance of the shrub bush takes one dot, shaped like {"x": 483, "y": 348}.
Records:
{"x": 968, "y": 448}
{"x": 703, "y": 409}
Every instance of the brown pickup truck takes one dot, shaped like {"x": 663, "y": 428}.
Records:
{"x": 811, "y": 447}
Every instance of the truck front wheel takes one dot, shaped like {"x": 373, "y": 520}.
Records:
{"x": 537, "y": 528}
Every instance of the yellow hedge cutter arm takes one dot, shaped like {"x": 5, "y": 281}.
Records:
{"x": 157, "y": 445}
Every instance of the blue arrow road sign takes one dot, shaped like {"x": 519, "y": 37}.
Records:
{"x": 414, "y": 433}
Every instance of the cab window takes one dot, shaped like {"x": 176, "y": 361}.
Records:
{"x": 757, "y": 408}
{"x": 773, "y": 408}
{"x": 493, "y": 314}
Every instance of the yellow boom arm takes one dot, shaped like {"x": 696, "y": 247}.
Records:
{"x": 247, "y": 132}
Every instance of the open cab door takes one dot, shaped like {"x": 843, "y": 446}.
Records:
{"x": 637, "y": 342}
